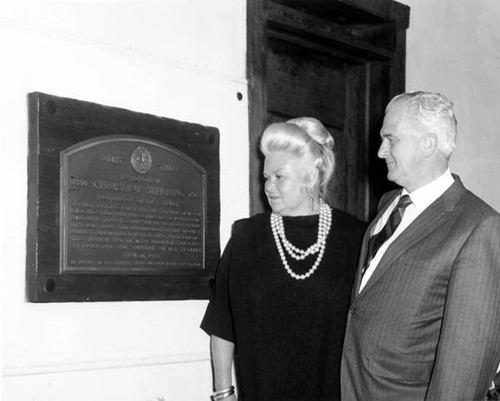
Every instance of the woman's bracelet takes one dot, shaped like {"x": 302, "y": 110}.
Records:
{"x": 221, "y": 394}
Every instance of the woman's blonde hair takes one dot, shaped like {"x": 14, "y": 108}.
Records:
{"x": 304, "y": 137}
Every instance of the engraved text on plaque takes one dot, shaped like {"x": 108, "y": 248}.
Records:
{"x": 131, "y": 205}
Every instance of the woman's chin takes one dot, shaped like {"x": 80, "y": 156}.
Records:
{"x": 276, "y": 210}
{"x": 274, "y": 204}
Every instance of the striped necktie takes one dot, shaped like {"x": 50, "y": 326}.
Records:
{"x": 383, "y": 235}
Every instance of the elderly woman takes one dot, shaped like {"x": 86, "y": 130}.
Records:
{"x": 282, "y": 287}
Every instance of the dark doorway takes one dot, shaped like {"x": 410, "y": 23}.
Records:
{"x": 338, "y": 61}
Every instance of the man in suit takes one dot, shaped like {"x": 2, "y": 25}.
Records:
{"x": 424, "y": 322}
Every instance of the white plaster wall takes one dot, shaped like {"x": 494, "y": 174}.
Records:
{"x": 453, "y": 48}
{"x": 182, "y": 59}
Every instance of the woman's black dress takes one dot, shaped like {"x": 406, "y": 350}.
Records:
{"x": 288, "y": 333}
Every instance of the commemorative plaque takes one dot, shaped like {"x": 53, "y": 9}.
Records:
{"x": 131, "y": 206}
{"x": 121, "y": 205}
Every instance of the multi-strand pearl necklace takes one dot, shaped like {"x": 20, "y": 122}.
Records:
{"x": 325, "y": 222}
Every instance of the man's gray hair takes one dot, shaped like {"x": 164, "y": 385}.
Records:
{"x": 434, "y": 113}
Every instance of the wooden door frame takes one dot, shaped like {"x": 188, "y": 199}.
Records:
{"x": 384, "y": 43}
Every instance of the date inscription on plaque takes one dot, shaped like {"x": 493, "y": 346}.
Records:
{"x": 131, "y": 205}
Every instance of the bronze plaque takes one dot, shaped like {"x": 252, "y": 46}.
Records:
{"x": 122, "y": 206}
{"x": 131, "y": 206}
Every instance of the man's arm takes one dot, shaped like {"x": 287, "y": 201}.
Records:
{"x": 468, "y": 351}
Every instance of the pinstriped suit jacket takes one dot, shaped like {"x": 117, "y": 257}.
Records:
{"x": 427, "y": 324}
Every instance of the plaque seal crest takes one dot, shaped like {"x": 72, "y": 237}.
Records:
{"x": 141, "y": 159}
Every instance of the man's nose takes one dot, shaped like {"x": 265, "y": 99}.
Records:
{"x": 382, "y": 150}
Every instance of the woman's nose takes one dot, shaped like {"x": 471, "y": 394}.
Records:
{"x": 268, "y": 185}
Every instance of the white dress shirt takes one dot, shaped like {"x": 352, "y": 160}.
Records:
{"x": 421, "y": 199}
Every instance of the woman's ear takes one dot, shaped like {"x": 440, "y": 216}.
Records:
{"x": 311, "y": 177}
{"x": 309, "y": 181}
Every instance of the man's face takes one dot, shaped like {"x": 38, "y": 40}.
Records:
{"x": 402, "y": 148}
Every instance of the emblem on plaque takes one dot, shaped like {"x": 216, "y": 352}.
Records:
{"x": 141, "y": 159}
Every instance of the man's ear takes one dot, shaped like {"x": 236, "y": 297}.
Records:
{"x": 430, "y": 144}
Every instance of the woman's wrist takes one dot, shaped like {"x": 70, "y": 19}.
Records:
{"x": 222, "y": 394}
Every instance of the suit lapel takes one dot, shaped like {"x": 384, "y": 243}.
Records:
{"x": 385, "y": 203}
{"x": 430, "y": 219}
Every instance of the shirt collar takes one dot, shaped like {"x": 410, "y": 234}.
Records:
{"x": 424, "y": 196}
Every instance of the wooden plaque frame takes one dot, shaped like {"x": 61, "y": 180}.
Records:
{"x": 56, "y": 124}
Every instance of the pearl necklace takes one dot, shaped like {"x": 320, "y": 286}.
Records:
{"x": 278, "y": 228}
